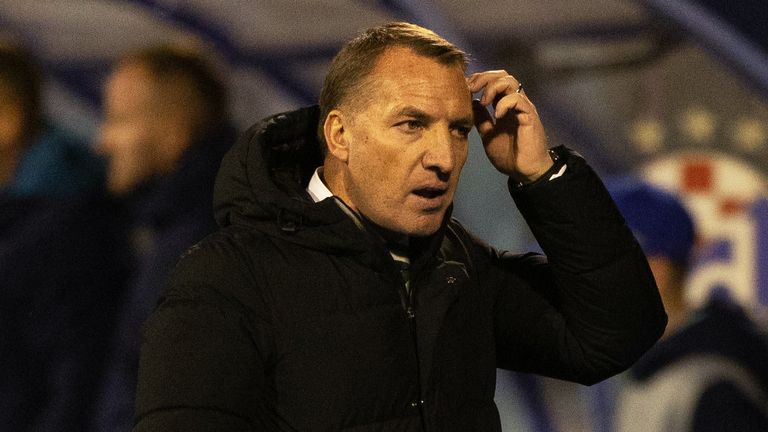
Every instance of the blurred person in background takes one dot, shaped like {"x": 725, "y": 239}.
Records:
{"x": 710, "y": 370}
{"x": 37, "y": 159}
{"x": 61, "y": 262}
{"x": 164, "y": 133}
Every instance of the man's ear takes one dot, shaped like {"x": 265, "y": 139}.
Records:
{"x": 336, "y": 135}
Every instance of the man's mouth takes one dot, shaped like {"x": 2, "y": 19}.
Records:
{"x": 430, "y": 192}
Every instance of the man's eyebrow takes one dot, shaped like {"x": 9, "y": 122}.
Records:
{"x": 463, "y": 121}
{"x": 413, "y": 112}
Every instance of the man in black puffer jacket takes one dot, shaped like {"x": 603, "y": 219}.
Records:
{"x": 340, "y": 295}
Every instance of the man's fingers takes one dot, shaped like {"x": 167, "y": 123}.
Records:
{"x": 483, "y": 119}
{"x": 493, "y": 84}
{"x": 501, "y": 91}
{"x": 479, "y": 80}
{"x": 516, "y": 102}
{"x": 498, "y": 88}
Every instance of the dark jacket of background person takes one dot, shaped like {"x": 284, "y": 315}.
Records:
{"x": 292, "y": 318}
{"x": 711, "y": 375}
{"x": 62, "y": 270}
{"x": 55, "y": 165}
{"x": 168, "y": 215}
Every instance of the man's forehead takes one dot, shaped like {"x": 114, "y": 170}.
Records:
{"x": 400, "y": 60}
{"x": 404, "y": 69}
{"x": 430, "y": 94}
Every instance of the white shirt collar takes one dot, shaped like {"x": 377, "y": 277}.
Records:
{"x": 316, "y": 188}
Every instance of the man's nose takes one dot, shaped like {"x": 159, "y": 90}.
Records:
{"x": 439, "y": 155}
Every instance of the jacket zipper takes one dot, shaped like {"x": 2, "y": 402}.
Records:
{"x": 407, "y": 295}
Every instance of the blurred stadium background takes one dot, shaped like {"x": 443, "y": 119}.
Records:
{"x": 674, "y": 91}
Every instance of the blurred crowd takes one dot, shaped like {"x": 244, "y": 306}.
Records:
{"x": 89, "y": 231}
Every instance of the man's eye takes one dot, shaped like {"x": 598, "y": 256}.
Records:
{"x": 462, "y": 131}
{"x": 411, "y": 125}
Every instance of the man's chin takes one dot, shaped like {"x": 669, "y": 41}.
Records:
{"x": 422, "y": 226}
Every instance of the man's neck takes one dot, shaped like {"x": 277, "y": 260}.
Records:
{"x": 396, "y": 242}
{"x": 334, "y": 177}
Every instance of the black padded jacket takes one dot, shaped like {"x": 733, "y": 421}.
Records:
{"x": 291, "y": 318}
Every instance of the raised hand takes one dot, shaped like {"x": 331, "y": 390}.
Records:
{"x": 514, "y": 139}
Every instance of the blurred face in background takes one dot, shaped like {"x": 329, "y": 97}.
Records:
{"x": 11, "y": 121}
{"x": 132, "y": 132}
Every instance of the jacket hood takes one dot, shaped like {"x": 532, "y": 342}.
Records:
{"x": 262, "y": 184}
